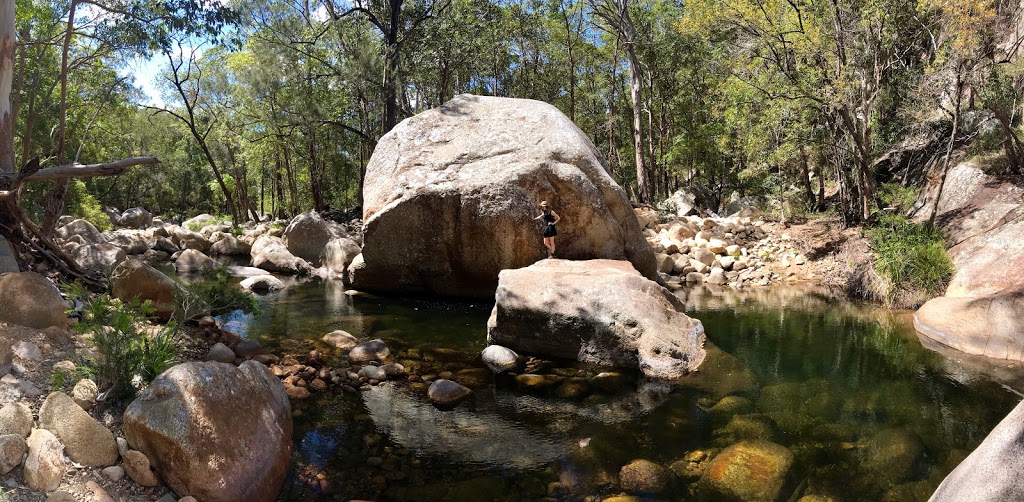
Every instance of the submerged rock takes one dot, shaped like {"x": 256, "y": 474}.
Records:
{"x": 645, "y": 477}
{"x": 597, "y": 311}
{"x": 341, "y": 340}
{"x": 891, "y": 456}
{"x": 373, "y": 350}
{"x": 499, "y": 359}
{"x": 752, "y": 471}
{"x": 460, "y": 183}
{"x": 447, "y": 393}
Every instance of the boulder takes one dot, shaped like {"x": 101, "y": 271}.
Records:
{"x": 85, "y": 440}
{"x": 991, "y": 326}
{"x": 275, "y": 257}
{"x": 44, "y": 466}
{"x": 135, "y": 280}
{"x": 447, "y": 393}
{"x": 99, "y": 258}
{"x": 230, "y": 245}
{"x": 499, "y": 359}
{"x": 187, "y": 239}
{"x": 261, "y": 283}
{"x": 992, "y": 470}
{"x": 31, "y": 300}
{"x": 752, "y": 471}
{"x": 451, "y": 195}
{"x": 135, "y": 217}
{"x": 85, "y": 393}
{"x": 339, "y": 255}
{"x": 199, "y": 222}
{"x": 138, "y": 467}
{"x": 341, "y": 340}
{"x": 202, "y": 414}
{"x": 645, "y": 477}
{"x": 131, "y": 241}
{"x": 8, "y": 262}
{"x": 15, "y": 418}
{"x": 164, "y": 244}
{"x": 373, "y": 350}
{"x": 192, "y": 261}
{"x": 308, "y": 234}
{"x": 681, "y": 203}
{"x": 221, "y": 353}
{"x": 12, "y": 449}
{"x": 597, "y": 311}
{"x": 81, "y": 228}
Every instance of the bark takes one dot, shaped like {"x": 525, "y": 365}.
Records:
{"x": 643, "y": 179}
{"x": 55, "y": 202}
{"x": 958, "y": 88}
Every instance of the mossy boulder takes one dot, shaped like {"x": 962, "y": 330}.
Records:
{"x": 750, "y": 471}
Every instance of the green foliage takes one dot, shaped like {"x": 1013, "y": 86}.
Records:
{"x": 130, "y": 354}
{"x": 62, "y": 379}
{"x": 217, "y": 219}
{"x": 217, "y": 293}
{"x": 81, "y": 204}
{"x": 911, "y": 258}
{"x": 897, "y": 196}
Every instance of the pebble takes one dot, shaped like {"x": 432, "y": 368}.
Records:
{"x": 136, "y": 465}
{"x": 114, "y": 473}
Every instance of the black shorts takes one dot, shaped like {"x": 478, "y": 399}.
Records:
{"x": 550, "y": 231}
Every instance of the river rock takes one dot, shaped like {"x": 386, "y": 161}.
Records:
{"x": 86, "y": 441}
{"x": 308, "y": 234}
{"x": 597, "y": 311}
{"x": 447, "y": 393}
{"x": 275, "y": 257}
{"x": 262, "y": 283}
{"x": 991, "y": 326}
{"x": 138, "y": 468}
{"x": 135, "y": 217}
{"x": 460, "y": 184}
{"x": 82, "y": 228}
{"x": 373, "y": 350}
{"x": 8, "y": 262}
{"x": 750, "y": 471}
{"x": 373, "y": 373}
{"x": 339, "y": 255}
{"x": 44, "y": 466}
{"x": 187, "y": 239}
{"x": 30, "y": 299}
{"x": 230, "y": 245}
{"x": 164, "y": 244}
{"x": 891, "y": 456}
{"x": 131, "y": 241}
{"x": 499, "y": 359}
{"x": 135, "y": 280}
{"x": 221, "y": 353}
{"x": 99, "y": 258}
{"x": 192, "y": 261}
{"x": 341, "y": 340}
{"x": 12, "y": 449}
{"x": 645, "y": 477}
{"x": 992, "y": 470}
{"x": 15, "y": 418}
{"x": 114, "y": 473}
{"x": 200, "y": 414}
{"x": 85, "y": 393}
{"x": 27, "y": 351}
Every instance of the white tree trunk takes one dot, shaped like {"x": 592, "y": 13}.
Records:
{"x": 6, "y": 81}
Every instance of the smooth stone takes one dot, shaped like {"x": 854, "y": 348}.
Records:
{"x": 31, "y": 300}
{"x": 12, "y": 449}
{"x": 341, "y": 340}
{"x": 85, "y": 393}
{"x": 114, "y": 473}
{"x": 499, "y": 359}
{"x": 373, "y": 373}
{"x": 393, "y": 370}
{"x": 373, "y": 350}
{"x": 98, "y": 493}
{"x": 474, "y": 378}
{"x": 447, "y": 393}
{"x": 16, "y": 418}
{"x": 262, "y": 283}
{"x": 44, "y": 466}
{"x": 992, "y": 471}
{"x": 61, "y": 497}
{"x": 136, "y": 465}
{"x": 221, "y": 353}
{"x": 645, "y": 477}
{"x": 122, "y": 446}
{"x": 85, "y": 440}
{"x": 247, "y": 348}
{"x": 607, "y": 382}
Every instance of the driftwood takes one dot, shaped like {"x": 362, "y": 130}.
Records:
{"x": 31, "y": 172}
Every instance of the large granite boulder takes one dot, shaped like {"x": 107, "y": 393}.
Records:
{"x": 992, "y": 471}
{"x": 82, "y": 228}
{"x": 29, "y": 299}
{"x": 214, "y": 431}
{"x": 135, "y": 280}
{"x": 451, "y": 193}
{"x": 86, "y": 441}
{"x": 596, "y": 311}
{"x": 131, "y": 241}
{"x": 308, "y": 234}
{"x": 193, "y": 261}
{"x": 135, "y": 217}
{"x": 99, "y": 258}
{"x": 270, "y": 253}
{"x": 991, "y": 326}
{"x": 230, "y": 245}
{"x": 339, "y": 255}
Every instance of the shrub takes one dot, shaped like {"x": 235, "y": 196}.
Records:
{"x": 217, "y": 293}
{"x": 130, "y": 354}
{"x": 911, "y": 258}
{"x": 82, "y": 204}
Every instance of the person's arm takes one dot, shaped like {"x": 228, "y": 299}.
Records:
{"x": 539, "y": 217}
{"x": 557, "y": 218}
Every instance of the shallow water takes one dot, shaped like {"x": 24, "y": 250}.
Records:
{"x": 867, "y": 411}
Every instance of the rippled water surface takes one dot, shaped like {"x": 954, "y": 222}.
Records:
{"x": 867, "y": 412}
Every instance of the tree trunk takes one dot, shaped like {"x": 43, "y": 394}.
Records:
{"x": 643, "y": 179}
{"x": 55, "y": 202}
{"x": 949, "y": 149}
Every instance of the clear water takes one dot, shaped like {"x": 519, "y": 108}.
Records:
{"x": 867, "y": 411}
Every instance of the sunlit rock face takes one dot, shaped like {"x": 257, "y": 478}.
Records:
{"x": 451, "y": 193}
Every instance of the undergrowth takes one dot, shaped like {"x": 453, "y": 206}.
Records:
{"x": 216, "y": 293}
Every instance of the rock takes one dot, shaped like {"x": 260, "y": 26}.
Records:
{"x": 27, "y": 351}
{"x": 192, "y": 261}
{"x": 717, "y": 276}
{"x": 100, "y": 258}
{"x": 393, "y": 370}
{"x": 30, "y": 299}
{"x": 6, "y": 357}
{"x": 137, "y": 466}
{"x": 681, "y": 203}
{"x": 891, "y": 456}
{"x": 499, "y": 359}
{"x": 12, "y": 449}
{"x": 373, "y": 373}
{"x": 339, "y": 255}
{"x": 596, "y": 311}
{"x": 230, "y": 245}
{"x": 135, "y": 217}
{"x": 992, "y": 470}
{"x": 373, "y": 350}
{"x": 186, "y": 239}
{"x": 749, "y": 470}
{"x": 703, "y": 255}
{"x": 164, "y": 244}
{"x": 8, "y": 262}
{"x": 221, "y": 353}
{"x": 130, "y": 241}
{"x": 645, "y": 477}
{"x": 16, "y": 418}
{"x": 991, "y": 326}
{"x": 341, "y": 340}
{"x": 447, "y": 393}
{"x": 44, "y": 466}
{"x": 608, "y": 382}
{"x": 61, "y": 497}
{"x": 572, "y": 388}
{"x": 460, "y": 184}
{"x": 114, "y": 473}
{"x": 135, "y": 280}
{"x": 199, "y": 222}
{"x": 85, "y": 393}
{"x": 98, "y": 493}
{"x": 298, "y": 392}
{"x": 122, "y": 445}
{"x": 275, "y": 257}
{"x": 81, "y": 228}
{"x": 85, "y": 440}
{"x": 308, "y": 234}
{"x": 246, "y": 348}
{"x": 195, "y": 415}
{"x": 262, "y": 284}
{"x": 695, "y": 278}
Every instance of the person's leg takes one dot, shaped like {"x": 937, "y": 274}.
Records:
{"x": 549, "y": 245}
{"x": 552, "y": 246}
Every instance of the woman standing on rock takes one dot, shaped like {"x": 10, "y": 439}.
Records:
{"x": 550, "y": 219}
